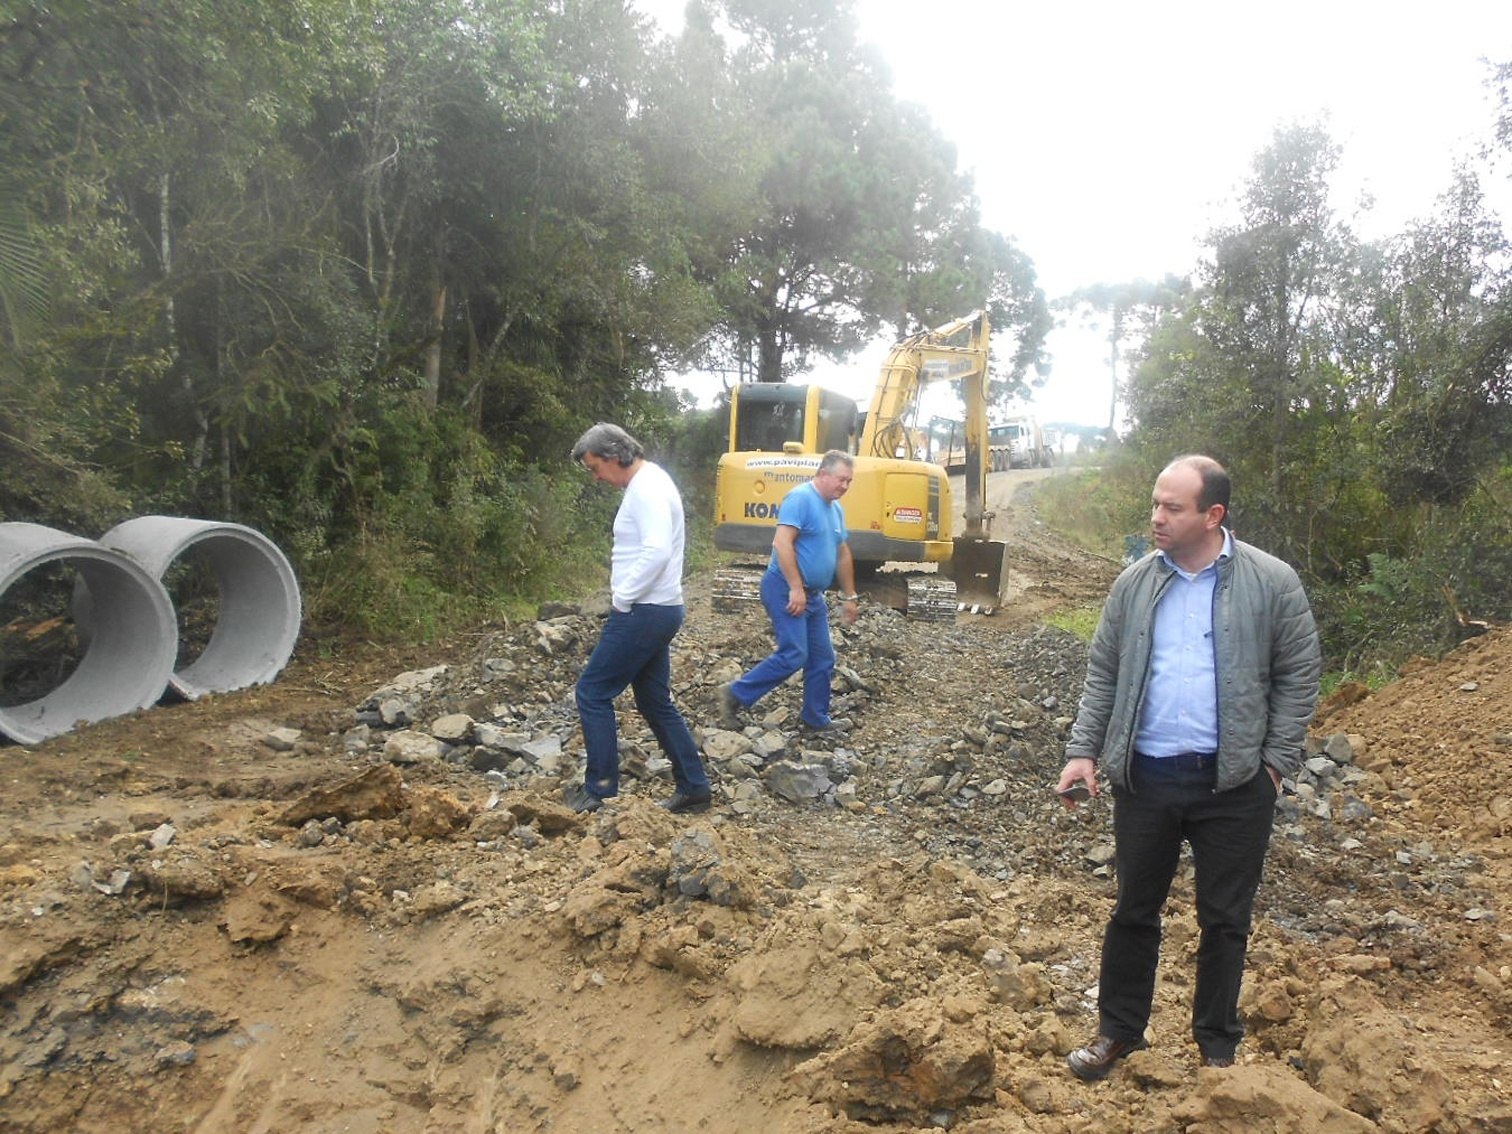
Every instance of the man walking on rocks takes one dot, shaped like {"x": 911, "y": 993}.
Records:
{"x": 809, "y": 552}
{"x": 647, "y": 610}
{"x": 1201, "y": 679}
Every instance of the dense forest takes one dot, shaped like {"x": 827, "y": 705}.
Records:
{"x": 356, "y": 273}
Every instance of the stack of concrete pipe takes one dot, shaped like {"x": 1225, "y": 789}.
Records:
{"x": 128, "y": 629}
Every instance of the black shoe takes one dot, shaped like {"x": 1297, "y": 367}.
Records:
{"x": 1217, "y": 1060}
{"x": 837, "y": 729}
{"x": 1096, "y": 1059}
{"x": 729, "y": 707}
{"x": 682, "y": 802}
{"x": 580, "y": 799}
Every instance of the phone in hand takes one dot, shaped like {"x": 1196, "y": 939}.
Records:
{"x": 1076, "y": 792}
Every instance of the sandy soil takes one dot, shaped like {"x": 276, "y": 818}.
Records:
{"x": 210, "y": 925}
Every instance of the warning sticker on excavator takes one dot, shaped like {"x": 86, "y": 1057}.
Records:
{"x": 908, "y": 515}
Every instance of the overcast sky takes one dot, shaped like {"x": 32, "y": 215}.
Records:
{"x": 1107, "y": 138}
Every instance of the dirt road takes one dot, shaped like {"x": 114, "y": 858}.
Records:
{"x": 208, "y": 924}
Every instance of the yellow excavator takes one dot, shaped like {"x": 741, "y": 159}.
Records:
{"x": 899, "y": 507}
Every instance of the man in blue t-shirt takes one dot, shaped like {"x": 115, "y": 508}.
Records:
{"x": 809, "y": 552}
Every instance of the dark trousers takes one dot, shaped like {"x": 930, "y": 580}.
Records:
{"x": 1173, "y": 800}
{"x": 634, "y": 650}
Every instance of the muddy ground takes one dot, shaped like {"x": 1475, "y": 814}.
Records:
{"x": 314, "y": 907}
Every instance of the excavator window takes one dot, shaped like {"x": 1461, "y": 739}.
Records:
{"x": 837, "y": 423}
{"x": 766, "y": 416}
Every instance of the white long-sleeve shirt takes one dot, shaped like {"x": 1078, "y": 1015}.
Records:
{"x": 647, "y": 562}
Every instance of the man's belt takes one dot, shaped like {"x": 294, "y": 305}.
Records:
{"x": 1186, "y": 761}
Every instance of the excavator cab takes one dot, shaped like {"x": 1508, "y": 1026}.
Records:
{"x": 769, "y": 417}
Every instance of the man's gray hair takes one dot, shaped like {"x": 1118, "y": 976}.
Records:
{"x": 836, "y": 457}
{"x": 609, "y": 442}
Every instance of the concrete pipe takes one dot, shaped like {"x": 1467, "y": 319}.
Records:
{"x": 259, "y": 597}
{"x": 129, "y": 653}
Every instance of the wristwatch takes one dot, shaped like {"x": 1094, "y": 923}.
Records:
{"x": 849, "y": 598}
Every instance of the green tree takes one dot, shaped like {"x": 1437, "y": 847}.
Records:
{"x": 1270, "y": 278}
{"x": 859, "y": 219}
{"x": 1129, "y": 308}
{"x": 1249, "y": 369}
{"x": 1443, "y": 385}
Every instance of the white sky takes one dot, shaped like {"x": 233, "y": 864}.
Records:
{"x": 1106, "y": 137}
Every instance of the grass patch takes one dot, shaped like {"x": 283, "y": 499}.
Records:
{"x": 1094, "y": 508}
{"x": 1375, "y": 678}
{"x": 1081, "y": 620}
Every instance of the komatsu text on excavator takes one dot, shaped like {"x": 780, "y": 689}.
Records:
{"x": 899, "y": 507}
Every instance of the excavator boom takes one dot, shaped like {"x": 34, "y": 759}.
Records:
{"x": 957, "y": 353}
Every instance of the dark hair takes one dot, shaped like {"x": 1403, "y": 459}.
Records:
{"x": 1216, "y": 485}
{"x": 610, "y": 442}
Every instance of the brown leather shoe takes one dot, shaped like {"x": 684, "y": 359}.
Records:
{"x": 1096, "y": 1059}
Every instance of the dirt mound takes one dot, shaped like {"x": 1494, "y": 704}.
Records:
{"x": 352, "y": 901}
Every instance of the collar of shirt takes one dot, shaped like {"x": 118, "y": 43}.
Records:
{"x": 1227, "y": 552}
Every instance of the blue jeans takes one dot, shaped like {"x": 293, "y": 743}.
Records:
{"x": 1229, "y": 832}
{"x": 803, "y": 642}
{"x": 634, "y": 651}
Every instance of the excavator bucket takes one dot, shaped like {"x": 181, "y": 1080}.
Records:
{"x": 976, "y": 565}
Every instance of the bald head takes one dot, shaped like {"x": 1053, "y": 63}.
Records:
{"x": 1216, "y": 486}
{"x": 1187, "y": 510}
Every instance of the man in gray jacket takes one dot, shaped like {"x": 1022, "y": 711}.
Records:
{"x": 1201, "y": 680}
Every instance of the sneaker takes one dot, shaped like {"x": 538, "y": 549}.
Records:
{"x": 580, "y": 799}
{"x": 689, "y": 801}
{"x": 729, "y": 707}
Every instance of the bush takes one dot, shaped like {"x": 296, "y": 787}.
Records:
{"x": 1097, "y": 508}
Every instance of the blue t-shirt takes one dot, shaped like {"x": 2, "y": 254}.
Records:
{"x": 821, "y": 531}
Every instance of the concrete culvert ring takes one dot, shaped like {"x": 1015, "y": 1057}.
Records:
{"x": 259, "y": 603}
{"x": 126, "y": 660}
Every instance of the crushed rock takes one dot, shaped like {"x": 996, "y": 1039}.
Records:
{"x": 894, "y": 931}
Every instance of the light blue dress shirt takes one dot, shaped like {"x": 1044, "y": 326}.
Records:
{"x": 1180, "y": 710}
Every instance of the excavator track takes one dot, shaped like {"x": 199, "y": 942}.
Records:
{"x": 932, "y": 600}
{"x": 929, "y": 598}
{"x": 736, "y": 589}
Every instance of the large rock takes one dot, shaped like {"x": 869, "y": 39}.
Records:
{"x": 408, "y": 746}
{"x": 905, "y": 1064}
{"x": 257, "y": 916}
{"x": 375, "y": 794}
{"x": 800, "y": 997}
{"x": 798, "y": 783}
{"x": 430, "y": 813}
{"x": 1265, "y": 1100}
{"x": 1363, "y": 1056}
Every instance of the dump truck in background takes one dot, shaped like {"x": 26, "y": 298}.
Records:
{"x": 1019, "y": 444}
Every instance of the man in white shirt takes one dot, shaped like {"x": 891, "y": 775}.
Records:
{"x": 634, "y": 649}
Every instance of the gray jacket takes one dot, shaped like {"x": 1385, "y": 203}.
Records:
{"x": 1266, "y": 653}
